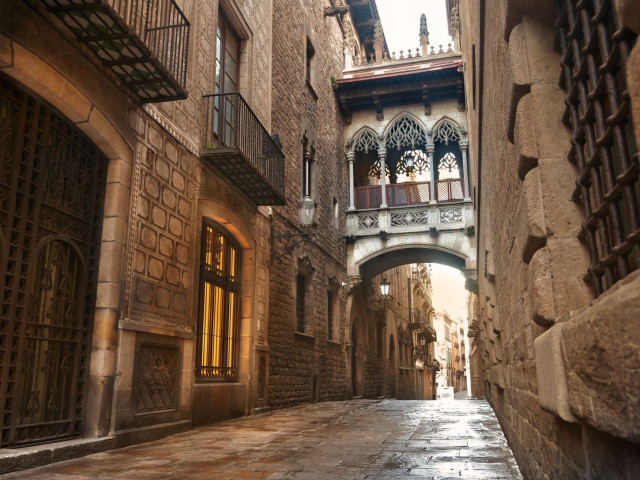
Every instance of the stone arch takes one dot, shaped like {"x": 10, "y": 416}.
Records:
{"x": 365, "y": 140}
{"x": 447, "y": 130}
{"x": 89, "y": 115}
{"x": 241, "y": 228}
{"x": 405, "y": 130}
{"x": 450, "y": 248}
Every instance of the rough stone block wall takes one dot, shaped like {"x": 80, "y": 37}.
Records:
{"x": 296, "y": 359}
{"x": 534, "y": 315}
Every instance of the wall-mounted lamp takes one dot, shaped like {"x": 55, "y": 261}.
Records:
{"x": 384, "y": 288}
{"x": 420, "y": 351}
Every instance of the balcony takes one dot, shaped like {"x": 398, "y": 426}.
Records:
{"x": 241, "y": 149}
{"x": 144, "y": 42}
{"x": 409, "y": 193}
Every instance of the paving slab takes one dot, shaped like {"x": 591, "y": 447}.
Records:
{"x": 354, "y": 440}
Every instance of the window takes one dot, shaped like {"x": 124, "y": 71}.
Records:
{"x": 310, "y": 63}
{"x": 301, "y": 294}
{"x": 333, "y": 317}
{"x": 307, "y": 165}
{"x": 594, "y": 49}
{"x": 218, "y": 335}
{"x": 227, "y": 56}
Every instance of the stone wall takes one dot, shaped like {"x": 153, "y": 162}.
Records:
{"x": 157, "y": 193}
{"x": 542, "y": 346}
{"x": 307, "y": 366}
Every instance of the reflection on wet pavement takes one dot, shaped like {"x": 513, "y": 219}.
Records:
{"x": 359, "y": 439}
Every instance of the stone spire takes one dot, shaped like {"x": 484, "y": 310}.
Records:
{"x": 424, "y": 34}
{"x": 378, "y": 41}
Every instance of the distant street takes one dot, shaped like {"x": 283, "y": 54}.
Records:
{"x": 359, "y": 439}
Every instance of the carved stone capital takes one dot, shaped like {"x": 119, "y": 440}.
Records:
{"x": 353, "y": 282}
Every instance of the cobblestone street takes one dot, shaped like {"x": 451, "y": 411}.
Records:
{"x": 359, "y": 439}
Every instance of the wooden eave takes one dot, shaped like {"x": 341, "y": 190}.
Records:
{"x": 396, "y": 88}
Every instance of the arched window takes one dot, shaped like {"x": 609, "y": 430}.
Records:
{"x": 218, "y": 323}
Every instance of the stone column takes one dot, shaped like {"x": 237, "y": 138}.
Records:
{"x": 382, "y": 155}
{"x": 464, "y": 145}
{"x": 350, "y": 159}
{"x": 432, "y": 172}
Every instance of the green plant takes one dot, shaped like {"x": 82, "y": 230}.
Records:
{"x": 334, "y": 82}
{"x": 210, "y": 146}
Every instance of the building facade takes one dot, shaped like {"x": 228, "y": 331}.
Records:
{"x": 135, "y": 269}
{"x": 553, "y": 98}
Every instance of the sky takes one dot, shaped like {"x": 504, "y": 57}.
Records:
{"x": 401, "y": 23}
{"x": 448, "y": 290}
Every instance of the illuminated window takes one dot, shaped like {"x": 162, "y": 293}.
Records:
{"x": 218, "y": 325}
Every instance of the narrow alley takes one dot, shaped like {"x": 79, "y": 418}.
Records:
{"x": 358, "y": 439}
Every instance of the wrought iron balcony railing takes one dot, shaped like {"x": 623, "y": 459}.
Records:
{"x": 239, "y": 146}
{"x": 144, "y": 42}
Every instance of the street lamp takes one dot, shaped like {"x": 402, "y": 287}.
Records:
{"x": 384, "y": 288}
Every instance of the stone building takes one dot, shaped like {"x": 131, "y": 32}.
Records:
{"x": 553, "y": 97}
{"x": 409, "y": 197}
{"x": 306, "y": 334}
{"x": 135, "y": 238}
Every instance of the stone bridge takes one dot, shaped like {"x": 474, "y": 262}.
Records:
{"x": 380, "y": 239}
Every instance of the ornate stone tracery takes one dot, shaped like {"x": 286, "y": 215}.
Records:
{"x": 446, "y": 131}
{"x": 405, "y": 132}
{"x": 448, "y": 162}
{"x": 366, "y": 141}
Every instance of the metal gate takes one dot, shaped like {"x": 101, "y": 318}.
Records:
{"x": 52, "y": 182}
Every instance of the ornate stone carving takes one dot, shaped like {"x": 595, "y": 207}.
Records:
{"x": 366, "y": 221}
{"x": 406, "y": 132}
{"x": 410, "y": 218}
{"x": 156, "y": 378}
{"x": 446, "y": 131}
{"x": 353, "y": 282}
{"x": 366, "y": 141}
{"x": 450, "y": 215}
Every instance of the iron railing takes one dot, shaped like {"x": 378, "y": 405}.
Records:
{"x": 595, "y": 48}
{"x": 145, "y": 42}
{"x": 233, "y": 129}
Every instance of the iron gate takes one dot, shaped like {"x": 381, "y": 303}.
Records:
{"x": 52, "y": 182}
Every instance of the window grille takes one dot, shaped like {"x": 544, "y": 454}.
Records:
{"x": 218, "y": 326}
{"x": 595, "y": 48}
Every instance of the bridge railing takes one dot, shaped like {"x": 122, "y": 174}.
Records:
{"x": 411, "y": 218}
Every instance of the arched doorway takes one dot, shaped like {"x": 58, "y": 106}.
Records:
{"x": 52, "y": 185}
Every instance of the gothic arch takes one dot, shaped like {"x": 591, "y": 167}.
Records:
{"x": 365, "y": 140}
{"x": 405, "y": 130}
{"x": 447, "y": 130}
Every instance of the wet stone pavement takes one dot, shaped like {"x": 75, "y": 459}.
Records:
{"x": 358, "y": 439}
